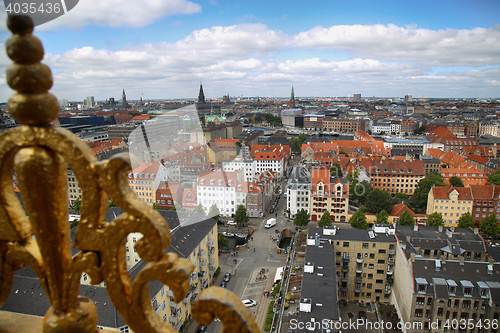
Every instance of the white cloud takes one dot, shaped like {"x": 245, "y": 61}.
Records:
{"x": 449, "y": 47}
{"x": 117, "y": 13}
{"x": 251, "y": 59}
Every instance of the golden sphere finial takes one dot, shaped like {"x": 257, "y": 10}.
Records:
{"x": 32, "y": 105}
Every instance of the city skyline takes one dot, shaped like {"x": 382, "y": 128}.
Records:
{"x": 325, "y": 49}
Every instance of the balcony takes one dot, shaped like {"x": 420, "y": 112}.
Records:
{"x": 389, "y": 270}
{"x": 173, "y": 304}
{"x": 390, "y": 260}
{"x": 202, "y": 253}
{"x": 391, "y": 251}
{"x": 358, "y": 279}
{"x": 359, "y": 269}
{"x": 178, "y": 326}
{"x": 357, "y": 290}
{"x": 345, "y": 269}
{"x": 359, "y": 260}
{"x": 212, "y": 262}
{"x": 203, "y": 263}
{"x": 344, "y": 279}
{"x": 188, "y": 297}
{"x": 211, "y": 252}
{"x": 211, "y": 242}
{"x": 170, "y": 293}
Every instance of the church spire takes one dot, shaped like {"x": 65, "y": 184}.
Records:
{"x": 292, "y": 100}
{"x": 124, "y": 99}
{"x": 201, "y": 95}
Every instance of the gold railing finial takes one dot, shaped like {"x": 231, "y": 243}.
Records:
{"x": 39, "y": 154}
{"x": 32, "y": 105}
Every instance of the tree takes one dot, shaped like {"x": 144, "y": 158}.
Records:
{"x": 494, "y": 178}
{"x": 378, "y": 200}
{"x": 400, "y": 195}
{"x": 76, "y": 205}
{"x": 241, "y": 215}
{"x": 302, "y": 137}
{"x": 435, "y": 220}
{"x": 343, "y": 153}
{"x": 301, "y": 218}
{"x": 466, "y": 221}
{"x": 111, "y": 204}
{"x": 325, "y": 220}
{"x": 424, "y": 186}
{"x": 199, "y": 209}
{"x": 336, "y": 170}
{"x": 221, "y": 241}
{"x": 155, "y": 206}
{"x": 134, "y": 113}
{"x": 214, "y": 212}
{"x": 489, "y": 226}
{"x": 406, "y": 219}
{"x": 382, "y": 217}
{"x": 258, "y": 119}
{"x": 296, "y": 145}
{"x": 361, "y": 190}
{"x": 456, "y": 181}
{"x": 358, "y": 220}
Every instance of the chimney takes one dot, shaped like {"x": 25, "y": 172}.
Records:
{"x": 440, "y": 228}
{"x": 462, "y": 260}
{"x": 449, "y": 233}
{"x": 443, "y": 258}
{"x": 415, "y": 227}
{"x": 412, "y": 257}
{"x": 408, "y": 239}
{"x": 476, "y": 230}
{"x": 491, "y": 260}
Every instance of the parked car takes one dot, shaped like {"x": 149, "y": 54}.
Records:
{"x": 201, "y": 329}
{"x": 249, "y": 302}
{"x": 231, "y": 223}
{"x": 227, "y": 277}
{"x": 223, "y": 284}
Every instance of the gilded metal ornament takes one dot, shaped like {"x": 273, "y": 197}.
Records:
{"x": 39, "y": 154}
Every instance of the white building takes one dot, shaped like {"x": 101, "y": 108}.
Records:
{"x": 271, "y": 160}
{"x": 218, "y": 187}
{"x": 298, "y": 190}
{"x": 248, "y": 165}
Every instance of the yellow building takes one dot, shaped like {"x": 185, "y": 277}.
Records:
{"x": 450, "y": 202}
{"x": 145, "y": 179}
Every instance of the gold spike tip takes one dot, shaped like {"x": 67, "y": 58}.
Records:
{"x": 20, "y": 24}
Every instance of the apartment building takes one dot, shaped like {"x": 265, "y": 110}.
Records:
{"x": 168, "y": 194}
{"x": 313, "y": 121}
{"x": 328, "y": 193}
{"x": 431, "y": 164}
{"x": 274, "y": 160}
{"x": 470, "y": 175}
{"x": 145, "y": 180}
{"x": 450, "y": 202}
{"x": 394, "y": 176}
{"x": 248, "y": 165}
{"x": 486, "y": 201}
{"x": 489, "y": 127}
{"x": 298, "y": 190}
{"x": 219, "y": 188}
{"x": 364, "y": 261}
{"x": 256, "y": 194}
{"x": 189, "y": 199}
{"x": 74, "y": 190}
{"x": 443, "y": 276}
{"x": 331, "y": 124}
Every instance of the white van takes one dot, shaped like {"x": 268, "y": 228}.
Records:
{"x": 270, "y": 223}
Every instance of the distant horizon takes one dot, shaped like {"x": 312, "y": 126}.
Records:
{"x": 435, "y": 49}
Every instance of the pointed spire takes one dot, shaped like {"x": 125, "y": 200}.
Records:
{"x": 123, "y": 94}
{"x": 292, "y": 100}
{"x": 201, "y": 95}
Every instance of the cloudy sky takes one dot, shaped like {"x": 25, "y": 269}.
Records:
{"x": 165, "y": 48}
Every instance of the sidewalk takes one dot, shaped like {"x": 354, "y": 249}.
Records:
{"x": 264, "y": 301}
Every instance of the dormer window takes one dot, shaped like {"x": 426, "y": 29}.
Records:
{"x": 130, "y": 175}
{"x": 219, "y": 182}
{"x": 153, "y": 175}
{"x": 421, "y": 285}
{"x": 202, "y": 182}
{"x": 212, "y": 181}
{"x": 467, "y": 288}
{"x": 483, "y": 289}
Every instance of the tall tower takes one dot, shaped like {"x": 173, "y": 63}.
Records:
{"x": 124, "y": 99}
{"x": 292, "y": 100}
{"x": 201, "y": 95}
